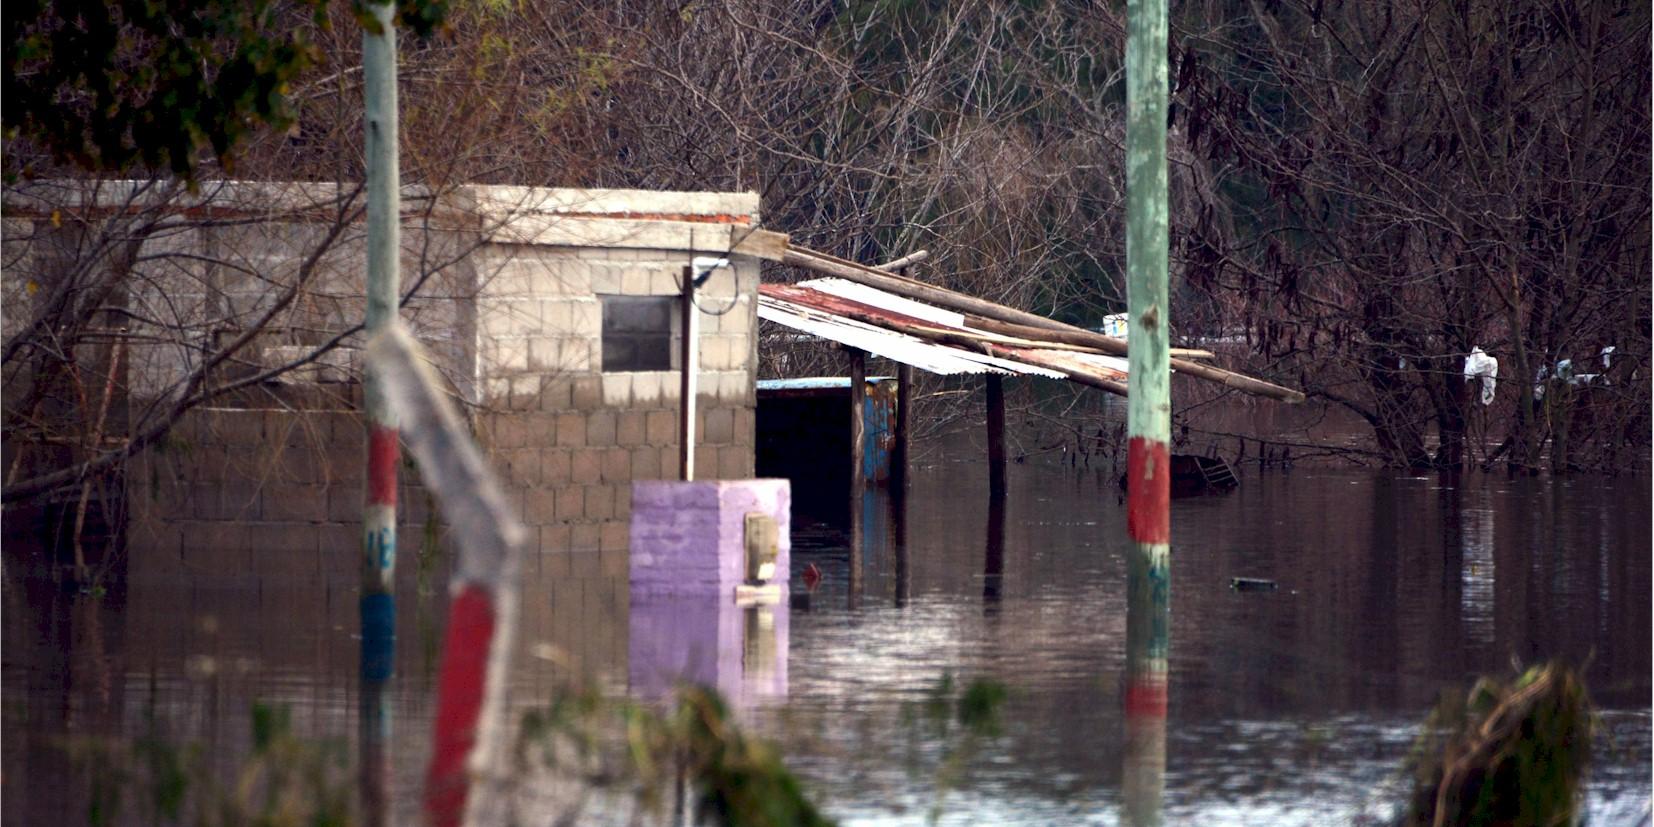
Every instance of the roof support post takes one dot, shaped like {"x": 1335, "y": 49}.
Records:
{"x": 858, "y": 474}
{"x": 904, "y": 408}
{"x": 996, "y": 435}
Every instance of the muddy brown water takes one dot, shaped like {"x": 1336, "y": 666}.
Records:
{"x": 1292, "y": 706}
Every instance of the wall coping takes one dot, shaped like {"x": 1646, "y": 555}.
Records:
{"x": 541, "y": 216}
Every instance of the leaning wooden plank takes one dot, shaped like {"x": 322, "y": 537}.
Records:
{"x": 470, "y": 744}
{"x": 1113, "y": 381}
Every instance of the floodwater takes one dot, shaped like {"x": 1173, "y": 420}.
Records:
{"x": 1293, "y": 706}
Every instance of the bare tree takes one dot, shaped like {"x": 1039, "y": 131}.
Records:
{"x": 1397, "y": 184}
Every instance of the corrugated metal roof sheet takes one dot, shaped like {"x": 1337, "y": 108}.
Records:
{"x": 856, "y": 315}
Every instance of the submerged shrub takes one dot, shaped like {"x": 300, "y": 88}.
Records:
{"x": 1511, "y": 753}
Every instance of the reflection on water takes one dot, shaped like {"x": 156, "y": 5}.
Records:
{"x": 1476, "y": 527}
{"x": 1293, "y": 706}
{"x": 374, "y": 713}
{"x": 740, "y": 650}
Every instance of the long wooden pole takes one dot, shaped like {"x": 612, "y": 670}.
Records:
{"x": 1148, "y": 417}
{"x": 377, "y": 604}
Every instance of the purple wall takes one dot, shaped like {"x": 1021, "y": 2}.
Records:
{"x": 687, "y": 537}
{"x": 687, "y": 557}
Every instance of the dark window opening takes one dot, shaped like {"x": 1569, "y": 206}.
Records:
{"x": 638, "y": 333}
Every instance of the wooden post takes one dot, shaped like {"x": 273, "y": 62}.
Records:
{"x": 996, "y": 435}
{"x": 1148, "y": 420}
{"x": 686, "y": 386}
{"x": 904, "y": 398}
{"x": 904, "y": 408}
{"x": 858, "y": 475}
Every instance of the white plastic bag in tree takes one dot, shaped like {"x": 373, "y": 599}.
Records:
{"x": 1116, "y": 325}
{"x": 1479, "y": 365}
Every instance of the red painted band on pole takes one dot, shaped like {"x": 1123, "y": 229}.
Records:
{"x": 461, "y": 687}
{"x": 1148, "y": 491}
{"x": 1147, "y": 699}
{"x": 383, "y": 455}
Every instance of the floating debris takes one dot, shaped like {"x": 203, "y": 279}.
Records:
{"x": 1251, "y": 584}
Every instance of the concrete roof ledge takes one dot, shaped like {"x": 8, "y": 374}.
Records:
{"x": 730, "y": 207}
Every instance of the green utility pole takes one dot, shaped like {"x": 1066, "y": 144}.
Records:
{"x": 378, "y": 604}
{"x": 1148, "y": 423}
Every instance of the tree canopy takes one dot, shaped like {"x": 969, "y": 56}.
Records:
{"x": 107, "y": 85}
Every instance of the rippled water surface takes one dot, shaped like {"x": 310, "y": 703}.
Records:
{"x": 1294, "y": 706}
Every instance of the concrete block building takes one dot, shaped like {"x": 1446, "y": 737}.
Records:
{"x": 552, "y": 313}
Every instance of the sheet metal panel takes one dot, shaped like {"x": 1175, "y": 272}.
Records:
{"x": 897, "y": 347}
{"x": 802, "y": 310}
{"x": 874, "y": 297}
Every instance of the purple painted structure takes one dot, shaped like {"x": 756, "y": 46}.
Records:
{"x": 688, "y": 555}
{"x": 687, "y": 537}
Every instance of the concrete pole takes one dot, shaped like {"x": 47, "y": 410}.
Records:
{"x": 690, "y": 347}
{"x": 377, "y": 605}
{"x": 384, "y": 246}
{"x": 1148, "y": 420}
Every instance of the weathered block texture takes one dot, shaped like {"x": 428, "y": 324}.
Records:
{"x": 688, "y": 537}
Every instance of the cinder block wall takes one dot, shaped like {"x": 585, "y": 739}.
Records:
{"x": 516, "y": 325}
{"x": 569, "y": 437}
